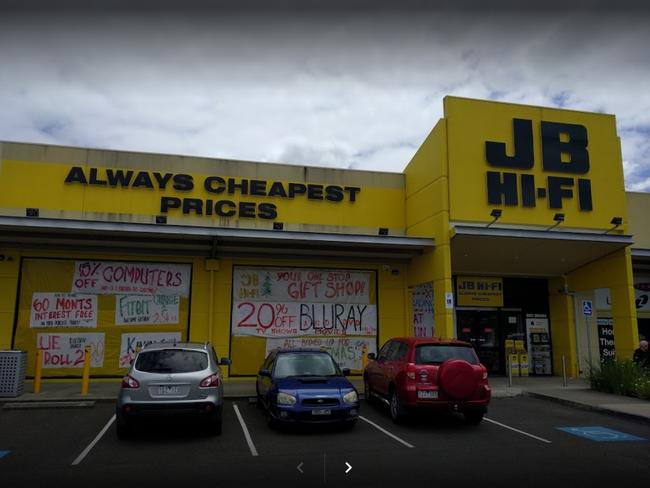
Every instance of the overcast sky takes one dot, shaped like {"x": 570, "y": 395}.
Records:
{"x": 349, "y": 89}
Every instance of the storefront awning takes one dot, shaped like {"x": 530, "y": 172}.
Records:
{"x": 526, "y": 252}
{"x": 120, "y": 237}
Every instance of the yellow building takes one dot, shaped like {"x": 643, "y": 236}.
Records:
{"x": 511, "y": 223}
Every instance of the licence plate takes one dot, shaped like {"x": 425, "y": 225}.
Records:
{"x": 427, "y": 394}
{"x": 321, "y": 411}
{"x": 169, "y": 390}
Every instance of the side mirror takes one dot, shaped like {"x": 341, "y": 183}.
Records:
{"x": 264, "y": 372}
{"x": 224, "y": 362}
{"x": 372, "y": 355}
{"x": 345, "y": 371}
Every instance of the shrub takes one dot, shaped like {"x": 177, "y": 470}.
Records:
{"x": 622, "y": 377}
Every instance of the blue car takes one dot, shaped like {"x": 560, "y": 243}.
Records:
{"x": 298, "y": 385}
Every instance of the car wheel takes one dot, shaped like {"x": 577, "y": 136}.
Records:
{"x": 258, "y": 396}
{"x": 473, "y": 418}
{"x": 215, "y": 425}
{"x": 396, "y": 408}
{"x": 367, "y": 391}
{"x": 350, "y": 424}
{"x": 122, "y": 428}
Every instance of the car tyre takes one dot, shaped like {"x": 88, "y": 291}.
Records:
{"x": 122, "y": 428}
{"x": 397, "y": 411}
{"x": 367, "y": 391}
{"x": 215, "y": 425}
{"x": 474, "y": 418}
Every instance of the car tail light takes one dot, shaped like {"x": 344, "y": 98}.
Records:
{"x": 410, "y": 371}
{"x": 211, "y": 381}
{"x": 128, "y": 382}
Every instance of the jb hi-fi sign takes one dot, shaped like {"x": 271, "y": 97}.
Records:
{"x": 564, "y": 151}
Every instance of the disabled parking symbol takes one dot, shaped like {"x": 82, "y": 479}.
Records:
{"x": 601, "y": 434}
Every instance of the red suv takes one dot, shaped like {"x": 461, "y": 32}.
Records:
{"x": 428, "y": 374}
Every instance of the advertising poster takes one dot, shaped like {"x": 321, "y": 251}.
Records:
{"x": 132, "y": 342}
{"x": 293, "y": 302}
{"x": 422, "y": 300}
{"x": 606, "y": 339}
{"x": 146, "y": 309}
{"x": 67, "y": 350}
{"x": 539, "y": 344}
{"x": 110, "y": 277}
{"x": 50, "y": 310}
{"x": 345, "y": 351}
{"x": 479, "y": 291}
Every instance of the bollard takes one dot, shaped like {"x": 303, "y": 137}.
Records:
{"x": 38, "y": 370}
{"x": 85, "y": 378}
{"x": 364, "y": 356}
{"x": 564, "y": 379}
{"x": 510, "y": 374}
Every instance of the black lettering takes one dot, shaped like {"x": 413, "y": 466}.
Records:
{"x": 296, "y": 189}
{"x": 334, "y": 193}
{"x": 575, "y": 148}
{"x": 219, "y": 208}
{"x": 267, "y": 211}
{"x": 233, "y": 186}
{"x": 352, "y": 191}
{"x": 142, "y": 179}
{"x": 76, "y": 175}
{"x": 93, "y": 180}
{"x": 315, "y": 192}
{"x": 247, "y": 210}
{"x": 183, "y": 182}
{"x": 523, "y": 158}
{"x": 584, "y": 194}
{"x": 162, "y": 180}
{"x": 277, "y": 190}
{"x": 209, "y": 184}
{"x": 118, "y": 177}
{"x": 498, "y": 188}
{"x": 167, "y": 203}
{"x": 556, "y": 192}
{"x": 208, "y": 207}
{"x": 527, "y": 190}
{"x": 192, "y": 204}
{"x": 258, "y": 188}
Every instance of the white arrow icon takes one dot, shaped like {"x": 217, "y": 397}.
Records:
{"x": 349, "y": 467}
{"x": 300, "y": 466}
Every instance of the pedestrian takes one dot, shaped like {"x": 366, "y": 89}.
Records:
{"x": 642, "y": 355}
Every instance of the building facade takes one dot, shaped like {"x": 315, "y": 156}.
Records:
{"x": 510, "y": 228}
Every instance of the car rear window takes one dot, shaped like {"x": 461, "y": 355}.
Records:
{"x": 439, "y": 353}
{"x": 301, "y": 364}
{"x": 171, "y": 361}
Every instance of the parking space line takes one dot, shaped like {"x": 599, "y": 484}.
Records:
{"x": 85, "y": 452}
{"x": 386, "y": 432}
{"x": 516, "y": 430}
{"x": 249, "y": 440}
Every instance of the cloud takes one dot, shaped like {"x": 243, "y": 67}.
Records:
{"x": 348, "y": 91}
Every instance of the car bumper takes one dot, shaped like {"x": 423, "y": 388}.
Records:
{"x": 290, "y": 415}
{"x": 129, "y": 407}
{"x": 479, "y": 401}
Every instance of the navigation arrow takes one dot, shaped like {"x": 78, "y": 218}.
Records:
{"x": 300, "y": 466}
{"x": 349, "y": 467}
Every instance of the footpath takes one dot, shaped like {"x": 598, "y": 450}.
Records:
{"x": 577, "y": 393}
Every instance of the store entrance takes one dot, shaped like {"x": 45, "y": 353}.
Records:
{"x": 480, "y": 328}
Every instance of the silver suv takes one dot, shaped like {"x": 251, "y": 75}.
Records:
{"x": 172, "y": 378}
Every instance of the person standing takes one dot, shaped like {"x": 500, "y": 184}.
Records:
{"x": 642, "y": 355}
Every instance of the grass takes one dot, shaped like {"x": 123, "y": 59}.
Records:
{"x": 621, "y": 377}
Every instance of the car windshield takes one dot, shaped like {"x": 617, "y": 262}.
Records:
{"x": 303, "y": 364}
{"x": 439, "y": 353}
{"x": 171, "y": 361}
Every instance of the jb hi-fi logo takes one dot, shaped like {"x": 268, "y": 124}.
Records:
{"x": 564, "y": 150}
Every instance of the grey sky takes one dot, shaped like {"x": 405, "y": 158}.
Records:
{"x": 355, "y": 90}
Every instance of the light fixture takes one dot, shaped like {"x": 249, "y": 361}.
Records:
{"x": 616, "y": 221}
{"x": 558, "y": 218}
{"x": 495, "y": 214}
{"x": 383, "y": 231}
{"x": 161, "y": 219}
{"x": 278, "y": 226}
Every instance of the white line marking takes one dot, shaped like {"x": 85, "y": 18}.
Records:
{"x": 85, "y": 452}
{"x": 516, "y": 430}
{"x": 251, "y": 446}
{"x": 386, "y": 432}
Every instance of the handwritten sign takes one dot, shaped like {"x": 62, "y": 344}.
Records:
{"x": 290, "y": 319}
{"x": 146, "y": 309}
{"x": 345, "y": 351}
{"x": 63, "y": 310}
{"x": 293, "y": 302}
{"x": 67, "y": 350}
{"x": 132, "y": 342}
{"x": 110, "y": 277}
{"x": 422, "y": 300}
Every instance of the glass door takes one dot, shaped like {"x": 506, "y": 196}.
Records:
{"x": 480, "y": 328}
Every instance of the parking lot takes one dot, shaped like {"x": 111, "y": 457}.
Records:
{"x": 519, "y": 443}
